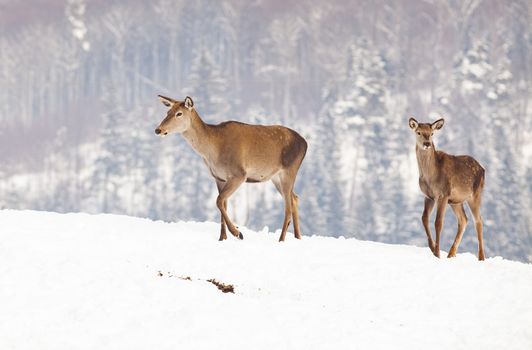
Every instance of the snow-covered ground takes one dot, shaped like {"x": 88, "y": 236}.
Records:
{"x": 78, "y": 281}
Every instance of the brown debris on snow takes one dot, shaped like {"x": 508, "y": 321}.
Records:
{"x": 225, "y": 288}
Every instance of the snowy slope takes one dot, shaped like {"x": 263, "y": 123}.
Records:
{"x": 76, "y": 281}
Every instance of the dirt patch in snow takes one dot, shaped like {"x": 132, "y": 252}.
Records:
{"x": 223, "y": 287}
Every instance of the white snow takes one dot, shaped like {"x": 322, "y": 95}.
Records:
{"x": 77, "y": 281}
{"x": 477, "y": 70}
{"x": 468, "y": 85}
{"x": 86, "y": 46}
{"x": 492, "y": 95}
{"x": 74, "y": 12}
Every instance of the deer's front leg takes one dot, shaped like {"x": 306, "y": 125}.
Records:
{"x": 228, "y": 189}
{"x": 223, "y": 235}
{"x": 429, "y": 204}
{"x": 438, "y": 225}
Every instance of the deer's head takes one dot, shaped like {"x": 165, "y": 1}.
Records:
{"x": 178, "y": 118}
{"x": 424, "y": 132}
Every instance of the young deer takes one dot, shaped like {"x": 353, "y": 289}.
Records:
{"x": 236, "y": 153}
{"x": 443, "y": 179}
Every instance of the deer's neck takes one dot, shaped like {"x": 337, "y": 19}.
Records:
{"x": 198, "y": 135}
{"x": 426, "y": 161}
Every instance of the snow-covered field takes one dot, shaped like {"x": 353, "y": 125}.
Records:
{"x": 78, "y": 281}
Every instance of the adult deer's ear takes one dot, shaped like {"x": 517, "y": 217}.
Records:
{"x": 413, "y": 123}
{"x": 438, "y": 124}
{"x": 189, "y": 103}
{"x": 167, "y": 101}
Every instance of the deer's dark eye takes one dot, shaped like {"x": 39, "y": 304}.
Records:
{"x": 431, "y": 133}
{"x": 418, "y": 133}
{"x": 178, "y": 114}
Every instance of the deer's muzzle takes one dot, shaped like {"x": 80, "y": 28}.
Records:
{"x": 160, "y": 132}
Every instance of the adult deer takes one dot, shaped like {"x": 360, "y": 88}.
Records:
{"x": 236, "y": 153}
{"x": 443, "y": 179}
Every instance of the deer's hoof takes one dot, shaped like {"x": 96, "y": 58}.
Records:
{"x": 452, "y": 253}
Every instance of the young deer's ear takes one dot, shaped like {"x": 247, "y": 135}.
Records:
{"x": 413, "y": 123}
{"x": 189, "y": 103}
{"x": 167, "y": 101}
{"x": 438, "y": 124}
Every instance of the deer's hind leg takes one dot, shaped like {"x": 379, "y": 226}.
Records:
{"x": 284, "y": 184}
{"x": 474, "y": 205}
{"x": 295, "y": 216}
{"x": 461, "y": 217}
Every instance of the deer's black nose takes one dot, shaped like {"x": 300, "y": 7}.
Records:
{"x": 157, "y": 131}
{"x": 426, "y": 144}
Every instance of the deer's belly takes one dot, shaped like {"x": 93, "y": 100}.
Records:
{"x": 256, "y": 174}
{"x": 459, "y": 196}
{"x": 259, "y": 174}
{"x": 456, "y": 194}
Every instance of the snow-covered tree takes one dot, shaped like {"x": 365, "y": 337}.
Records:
{"x": 324, "y": 202}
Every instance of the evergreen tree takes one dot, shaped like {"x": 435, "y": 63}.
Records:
{"x": 113, "y": 162}
{"x": 361, "y": 105}
{"x": 324, "y": 203}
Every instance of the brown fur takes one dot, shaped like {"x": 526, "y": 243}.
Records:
{"x": 236, "y": 152}
{"x": 447, "y": 179}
